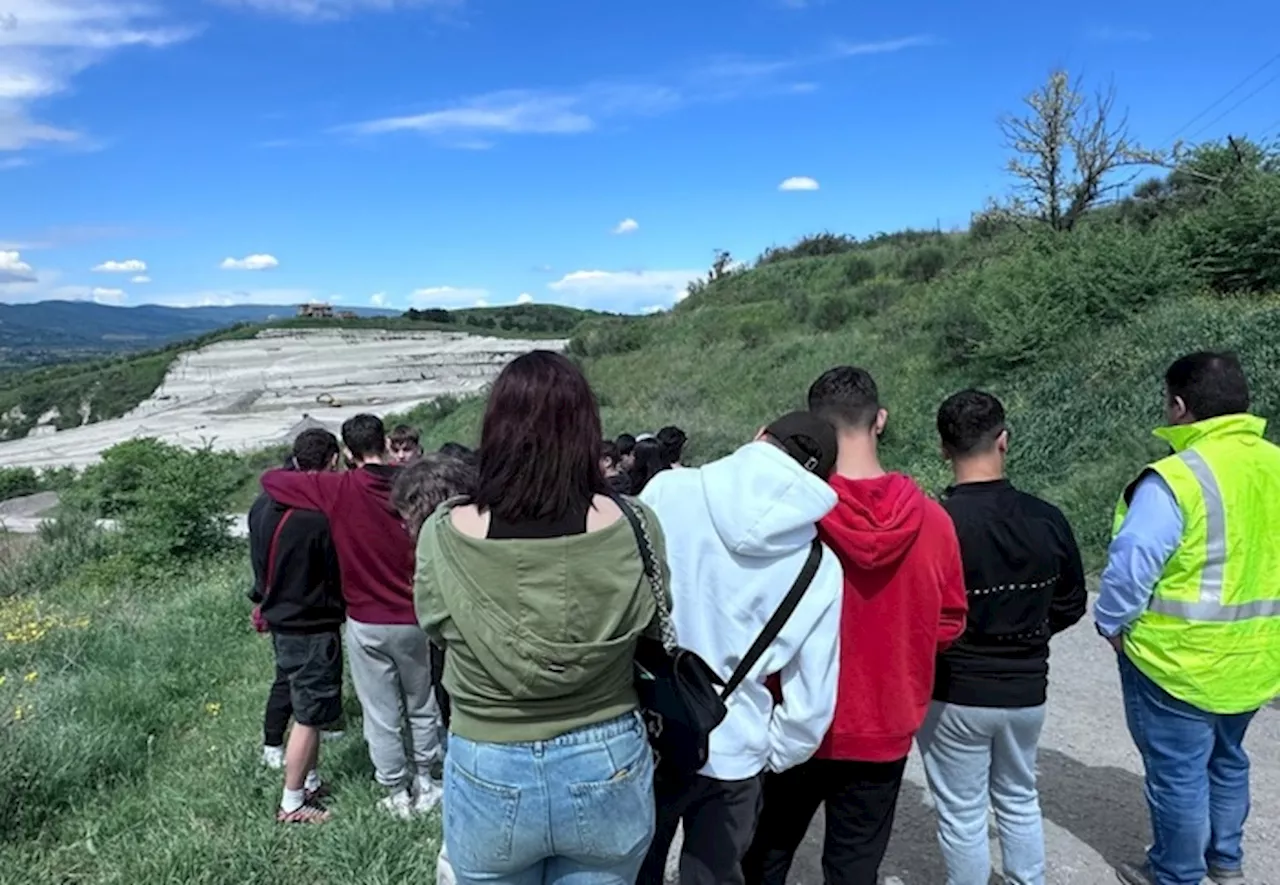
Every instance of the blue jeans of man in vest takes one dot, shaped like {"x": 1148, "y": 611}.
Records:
{"x": 1197, "y": 780}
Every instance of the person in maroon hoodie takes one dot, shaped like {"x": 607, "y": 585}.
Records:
{"x": 904, "y": 601}
{"x": 389, "y": 654}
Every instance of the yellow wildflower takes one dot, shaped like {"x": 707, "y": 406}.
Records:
{"x": 212, "y": 708}
{"x": 2, "y": 678}
{"x": 18, "y": 712}
{"x": 31, "y": 677}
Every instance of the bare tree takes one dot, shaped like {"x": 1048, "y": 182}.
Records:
{"x": 1066, "y": 149}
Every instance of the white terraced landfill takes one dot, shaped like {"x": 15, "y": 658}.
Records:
{"x": 243, "y": 395}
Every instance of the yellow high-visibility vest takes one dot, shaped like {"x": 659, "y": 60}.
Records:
{"x": 1211, "y": 634}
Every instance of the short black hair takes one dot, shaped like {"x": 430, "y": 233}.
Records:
{"x": 609, "y": 451}
{"x": 626, "y": 444}
{"x": 673, "y": 440}
{"x": 403, "y": 434}
{"x": 314, "y": 449}
{"x": 365, "y": 436}
{"x": 847, "y": 397}
{"x": 1211, "y": 384}
{"x": 970, "y": 422}
{"x": 461, "y": 452}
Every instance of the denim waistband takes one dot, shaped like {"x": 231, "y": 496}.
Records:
{"x": 588, "y": 734}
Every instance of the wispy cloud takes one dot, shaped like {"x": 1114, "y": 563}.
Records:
{"x": 625, "y": 290}
{"x": 108, "y": 296}
{"x": 525, "y": 298}
{"x": 335, "y": 10}
{"x": 13, "y": 163}
{"x": 129, "y": 265}
{"x": 799, "y": 183}
{"x": 449, "y": 296}
{"x": 141, "y": 280}
{"x": 14, "y": 270}
{"x": 45, "y": 44}
{"x": 378, "y": 299}
{"x": 1111, "y": 34}
{"x": 627, "y": 226}
{"x": 575, "y": 111}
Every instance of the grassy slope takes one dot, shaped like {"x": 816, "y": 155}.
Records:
{"x": 135, "y": 759}
{"x": 1081, "y": 416}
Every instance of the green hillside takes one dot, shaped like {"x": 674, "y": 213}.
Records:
{"x": 1072, "y": 328}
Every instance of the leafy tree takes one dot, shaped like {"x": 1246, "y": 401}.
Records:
{"x": 1067, "y": 147}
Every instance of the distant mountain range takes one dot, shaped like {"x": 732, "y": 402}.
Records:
{"x": 53, "y": 331}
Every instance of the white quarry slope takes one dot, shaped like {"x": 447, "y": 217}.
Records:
{"x": 243, "y": 395}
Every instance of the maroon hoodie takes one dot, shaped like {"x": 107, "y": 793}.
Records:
{"x": 904, "y": 601}
{"x": 375, "y": 552}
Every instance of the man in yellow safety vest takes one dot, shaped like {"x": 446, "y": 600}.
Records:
{"x": 1190, "y": 598}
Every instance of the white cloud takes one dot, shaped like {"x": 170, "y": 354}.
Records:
{"x": 286, "y": 298}
{"x": 474, "y": 121}
{"x": 627, "y": 226}
{"x": 625, "y": 290}
{"x": 251, "y": 262}
{"x": 108, "y": 296}
{"x": 378, "y": 299}
{"x": 141, "y": 279}
{"x": 799, "y": 183}
{"x": 525, "y": 298}
{"x": 333, "y": 10}
{"x": 45, "y": 44}
{"x": 652, "y": 309}
{"x": 480, "y": 302}
{"x": 14, "y": 270}
{"x": 448, "y": 296}
{"x": 130, "y": 265}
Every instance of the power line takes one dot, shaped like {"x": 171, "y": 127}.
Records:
{"x": 1187, "y": 125}
{"x": 1236, "y": 105}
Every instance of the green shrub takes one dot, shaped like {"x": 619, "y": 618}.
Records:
{"x": 825, "y": 243}
{"x": 753, "y": 335}
{"x": 61, "y": 548}
{"x": 831, "y": 312}
{"x": 602, "y": 337}
{"x": 798, "y": 304}
{"x": 924, "y": 264}
{"x": 1234, "y": 241}
{"x": 110, "y": 487}
{"x": 858, "y": 269}
{"x": 875, "y": 297}
{"x": 16, "y": 482}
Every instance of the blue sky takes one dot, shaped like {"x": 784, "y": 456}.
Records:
{"x": 587, "y": 152}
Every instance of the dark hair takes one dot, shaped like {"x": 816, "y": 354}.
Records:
{"x": 626, "y": 445}
{"x": 427, "y": 483}
{"x": 673, "y": 440}
{"x": 461, "y": 452}
{"x": 365, "y": 437}
{"x": 609, "y": 452}
{"x": 405, "y": 435}
{"x": 1210, "y": 384}
{"x": 650, "y": 461}
{"x": 847, "y": 397}
{"x": 314, "y": 449}
{"x": 970, "y": 422}
{"x": 540, "y": 445}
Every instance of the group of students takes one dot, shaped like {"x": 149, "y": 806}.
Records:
{"x": 923, "y": 620}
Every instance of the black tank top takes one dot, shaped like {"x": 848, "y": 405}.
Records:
{"x": 572, "y": 523}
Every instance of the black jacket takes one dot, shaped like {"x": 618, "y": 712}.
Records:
{"x": 295, "y": 549}
{"x": 1025, "y": 582}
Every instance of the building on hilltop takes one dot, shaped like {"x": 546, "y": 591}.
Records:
{"x": 315, "y": 311}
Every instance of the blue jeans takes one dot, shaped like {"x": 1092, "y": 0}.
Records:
{"x": 975, "y": 758}
{"x": 578, "y": 809}
{"x": 1197, "y": 781}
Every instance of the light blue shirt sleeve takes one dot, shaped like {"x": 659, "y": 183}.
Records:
{"x": 1148, "y": 538}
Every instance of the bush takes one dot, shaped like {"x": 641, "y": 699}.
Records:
{"x": 831, "y": 313}
{"x": 15, "y": 482}
{"x": 924, "y": 264}
{"x": 61, "y": 548}
{"x": 825, "y": 243}
{"x": 604, "y": 337}
{"x": 876, "y": 296}
{"x": 1234, "y": 241}
{"x": 858, "y": 269}
{"x": 753, "y": 334}
{"x": 110, "y": 487}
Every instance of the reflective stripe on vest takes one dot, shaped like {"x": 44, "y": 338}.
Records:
{"x": 1210, "y": 607}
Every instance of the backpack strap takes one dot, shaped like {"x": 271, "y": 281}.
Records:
{"x": 779, "y": 619}
{"x": 271, "y": 554}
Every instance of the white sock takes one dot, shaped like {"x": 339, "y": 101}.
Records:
{"x": 313, "y": 780}
{"x": 293, "y": 800}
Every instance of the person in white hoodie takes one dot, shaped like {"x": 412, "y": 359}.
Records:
{"x": 739, "y": 532}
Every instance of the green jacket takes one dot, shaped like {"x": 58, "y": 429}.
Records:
{"x": 540, "y": 635}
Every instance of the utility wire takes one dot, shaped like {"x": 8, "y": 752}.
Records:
{"x": 1216, "y": 119}
{"x": 1187, "y": 125}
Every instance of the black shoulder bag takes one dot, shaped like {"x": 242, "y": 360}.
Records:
{"x": 681, "y": 697}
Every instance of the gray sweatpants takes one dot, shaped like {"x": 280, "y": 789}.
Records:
{"x": 391, "y": 670}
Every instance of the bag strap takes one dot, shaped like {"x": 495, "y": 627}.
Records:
{"x": 779, "y": 619}
{"x": 649, "y": 560}
{"x": 271, "y": 555}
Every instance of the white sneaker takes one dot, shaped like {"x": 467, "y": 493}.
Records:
{"x": 273, "y": 757}
{"x": 430, "y": 795}
{"x": 444, "y": 869}
{"x": 399, "y": 804}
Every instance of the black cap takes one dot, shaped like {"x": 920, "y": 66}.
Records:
{"x": 810, "y": 440}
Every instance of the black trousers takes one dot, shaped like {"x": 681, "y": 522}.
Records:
{"x": 719, "y": 821}
{"x": 861, "y": 799}
{"x": 275, "y": 721}
{"x": 437, "y": 684}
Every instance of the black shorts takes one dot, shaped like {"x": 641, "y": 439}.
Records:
{"x": 313, "y": 664}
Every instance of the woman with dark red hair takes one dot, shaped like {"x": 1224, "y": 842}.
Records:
{"x": 536, "y": 588}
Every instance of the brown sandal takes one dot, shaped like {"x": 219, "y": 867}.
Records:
{"x": 304, "y": 814}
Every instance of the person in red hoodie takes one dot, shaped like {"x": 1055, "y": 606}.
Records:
{"x": 389, "y": 654}
{"x": 904, "y": 601}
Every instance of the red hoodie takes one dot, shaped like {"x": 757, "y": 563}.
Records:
{"x": 904, "y": 601}
{"x": 375, "y": 552}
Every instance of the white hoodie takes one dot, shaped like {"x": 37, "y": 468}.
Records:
{"x": 738, "y": 533}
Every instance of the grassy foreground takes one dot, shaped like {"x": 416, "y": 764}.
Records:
{"x": 130, "y": 722}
